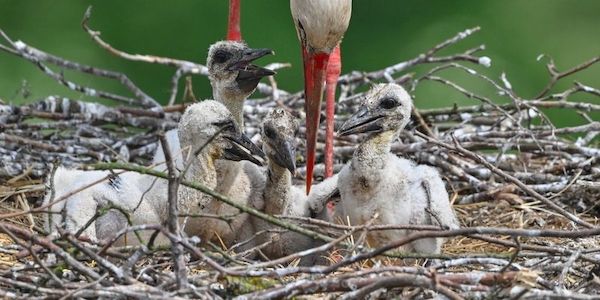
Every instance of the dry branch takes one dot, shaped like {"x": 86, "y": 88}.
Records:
{"x": 495, "y": 156}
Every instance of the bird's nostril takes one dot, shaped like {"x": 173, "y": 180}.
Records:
{"x": 362, "y": 113}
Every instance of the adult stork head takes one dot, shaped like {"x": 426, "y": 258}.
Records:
{"x": 232, "y": 75}
{"x": 320, "y": 25}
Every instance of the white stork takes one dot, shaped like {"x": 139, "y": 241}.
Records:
{"x": 377, "y": 182}
{"x": 320, "y": 25}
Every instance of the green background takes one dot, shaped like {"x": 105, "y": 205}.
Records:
{"x": 381, "y": 33}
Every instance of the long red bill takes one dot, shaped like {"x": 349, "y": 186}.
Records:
{"x": 333, "y": 73}
{"x": 315, "y": 71}
{"x": 234, "y": 32}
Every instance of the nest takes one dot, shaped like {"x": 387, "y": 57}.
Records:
{"x": 524, "y": 189}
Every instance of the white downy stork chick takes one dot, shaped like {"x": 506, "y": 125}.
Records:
{"x": 198, "y": 124}
{"x": 279, "y": 131}
{"x": 232, "y": 75}
{"x": 143, "y": 197}
{"x": 233, "y": 78}
{"x": 320, "y": 25}
{"x": 377, "y": 181}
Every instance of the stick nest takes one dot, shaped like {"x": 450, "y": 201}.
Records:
{"x": 525, "y": 190}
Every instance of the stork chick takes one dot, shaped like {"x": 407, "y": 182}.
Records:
{"x": 198, "y": 124}
{"x": 232, "y": 75}
{"x": 377, "y": 182}
{"x": 233, "y": 78}
{"x": 145, "y": 199}
{"x": 279, "y": 131}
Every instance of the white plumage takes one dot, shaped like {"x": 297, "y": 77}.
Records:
{"x": 144, "y": 197}
{"x": 377, "y": 182}
{"x": 233, "y": 78}
{"x": 321, "y": 24}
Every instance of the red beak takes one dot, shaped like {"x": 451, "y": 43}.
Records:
{"x": 333, "y": 73}
{"x": 234, "y": 32}
{"x": 315, "y": 71}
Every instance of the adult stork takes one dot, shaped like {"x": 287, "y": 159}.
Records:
{"x": 320, "y": 25}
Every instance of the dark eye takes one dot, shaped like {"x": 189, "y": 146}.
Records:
{"x": 389, "y": 103}
{"x": 270, "y": 132}
{"x": 221, "y": 56}
{"x": 225, "y": 124}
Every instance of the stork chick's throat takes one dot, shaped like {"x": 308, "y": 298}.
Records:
{"x": 372, "y": 153}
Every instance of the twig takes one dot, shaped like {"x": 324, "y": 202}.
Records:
{"x": 556, "y": 75}
{"x": 219, "y": 197}
{"x": 173, "y": 222}
{"x": 36, "y": 57}
{"x": 458, "y": 148}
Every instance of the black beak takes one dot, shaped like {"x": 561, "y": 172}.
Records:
{"x": 285, "y": 154}
{"x": 249, "y": 55}
{"x": 248, "y": 78}
{"x": 242, "y": 148}
{"x": 363, "y": 121}
{"x": 249, "y": 75}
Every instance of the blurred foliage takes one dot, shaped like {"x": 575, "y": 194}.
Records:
{"x": 381, "y": 33}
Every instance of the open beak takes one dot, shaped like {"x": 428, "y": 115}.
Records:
{"x": 362, "y": 121}
{"x": 248, "y": 74}
{"x": 285, "y": 154}
{"x": 315, "y": 71}
{"x": 248, "y": 57}
{"x": 242, "y": 148}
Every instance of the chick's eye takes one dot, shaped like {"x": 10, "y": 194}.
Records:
{"x": 389, "y": 103}
{"x": 226, "y": 124}
{"x": 222, "y": 56}
{"x": 270, "y": 132}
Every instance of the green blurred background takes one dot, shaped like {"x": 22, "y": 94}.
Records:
{"x": 381, "y": 33}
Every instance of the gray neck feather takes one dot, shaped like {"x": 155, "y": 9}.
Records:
{"x": 277, "y": 189}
